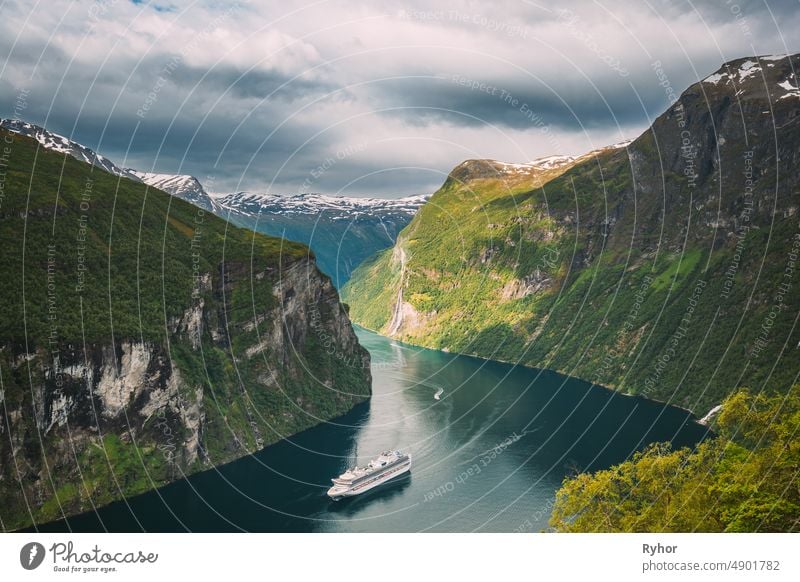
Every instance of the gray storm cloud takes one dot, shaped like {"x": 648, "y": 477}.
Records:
{"x": 258, "y": 96}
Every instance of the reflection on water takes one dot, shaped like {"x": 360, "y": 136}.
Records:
{"x": 491, "y": 444}
{"x": 351, "y": 506}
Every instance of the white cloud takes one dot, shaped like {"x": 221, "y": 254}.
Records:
{"x": 322, "y": 75}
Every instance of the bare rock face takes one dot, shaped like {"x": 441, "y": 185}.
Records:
{"x": 120, "y": 380}
{"x": 178, "y": 407}
{"x": 728, "y": 137}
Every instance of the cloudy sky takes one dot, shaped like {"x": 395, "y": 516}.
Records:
{"x": 378, "y": 98}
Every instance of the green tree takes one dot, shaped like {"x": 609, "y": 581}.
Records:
{"x": 745, "y": 479}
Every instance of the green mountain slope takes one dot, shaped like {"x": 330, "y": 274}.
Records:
{"x": 666, "y": 268}
{"x": 142, "y": 339}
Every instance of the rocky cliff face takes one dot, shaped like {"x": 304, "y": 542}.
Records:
{"x": 661, "y": 268}
{"x": 143, "y": 399}
{"x": 130, "y": 398}
{"x": 724, "y": 151}
{"x": 211, "y": 342}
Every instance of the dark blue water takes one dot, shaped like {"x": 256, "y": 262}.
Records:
{"x": 488, "y": 455}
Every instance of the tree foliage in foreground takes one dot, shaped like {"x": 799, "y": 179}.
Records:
{"x": 745, "y": 479}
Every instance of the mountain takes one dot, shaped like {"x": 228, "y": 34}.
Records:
{"x": 59, "y": 143}
{"x": 341, "y": 231}
{"x": 182, "y": 186}
{"x": 143, "y": 339}
{"x": 666, "y": 268}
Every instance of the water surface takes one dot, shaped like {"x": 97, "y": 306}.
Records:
{"x": 489, "y": 454}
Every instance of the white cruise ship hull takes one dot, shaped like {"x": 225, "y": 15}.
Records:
{"x": 340, "y": 491}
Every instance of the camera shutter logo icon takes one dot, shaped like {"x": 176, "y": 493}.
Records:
{"x": 31, "y": 555}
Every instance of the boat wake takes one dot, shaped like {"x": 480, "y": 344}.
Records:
{"x": 439, "y": 390}
{"x": 502, "y": 445}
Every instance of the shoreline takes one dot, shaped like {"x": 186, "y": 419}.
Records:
{"x": 694, "y": 416}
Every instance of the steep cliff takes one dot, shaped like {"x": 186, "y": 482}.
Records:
{"x": 142, "y": 339}
{"x": 665, "y": 268}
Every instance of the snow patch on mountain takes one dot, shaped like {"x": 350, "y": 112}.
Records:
{"x": 552, "y": 162}
{"x": 63, "y": 145}
{"x": 792, "y": 90}
{"x": 181, "y": 186}
{"x": 715, "y": 78}
{"x": 253, "y": 204}
{"x": 471, "y": 169}
{"x": 190, "y": 189}
{"x": 746, "y": 69}
{"x": 773, "y": 57}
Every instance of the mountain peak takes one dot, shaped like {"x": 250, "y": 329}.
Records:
{"x": 182, "y": 186}
{"x": 770, "y": 76}
{"x": 488, "y": 169}
{"x": 493, "y": 169}
{"x": 59, "y": 143}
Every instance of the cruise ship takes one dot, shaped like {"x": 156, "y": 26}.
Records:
{"x": 357, "y": 480}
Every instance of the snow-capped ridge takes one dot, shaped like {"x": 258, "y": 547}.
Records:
{"x": 488, "y": 168}
{"x": 189, "y": 188}
{"x": 757, "y": 70}
{"x": 252, "y": 202}
{"x": 183, "y": 186}
{"x": 745, "y": 70}
{"x": 59, "y": 143}
{"x": 552, "y": 162}
{"x": 773, "y": 57}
